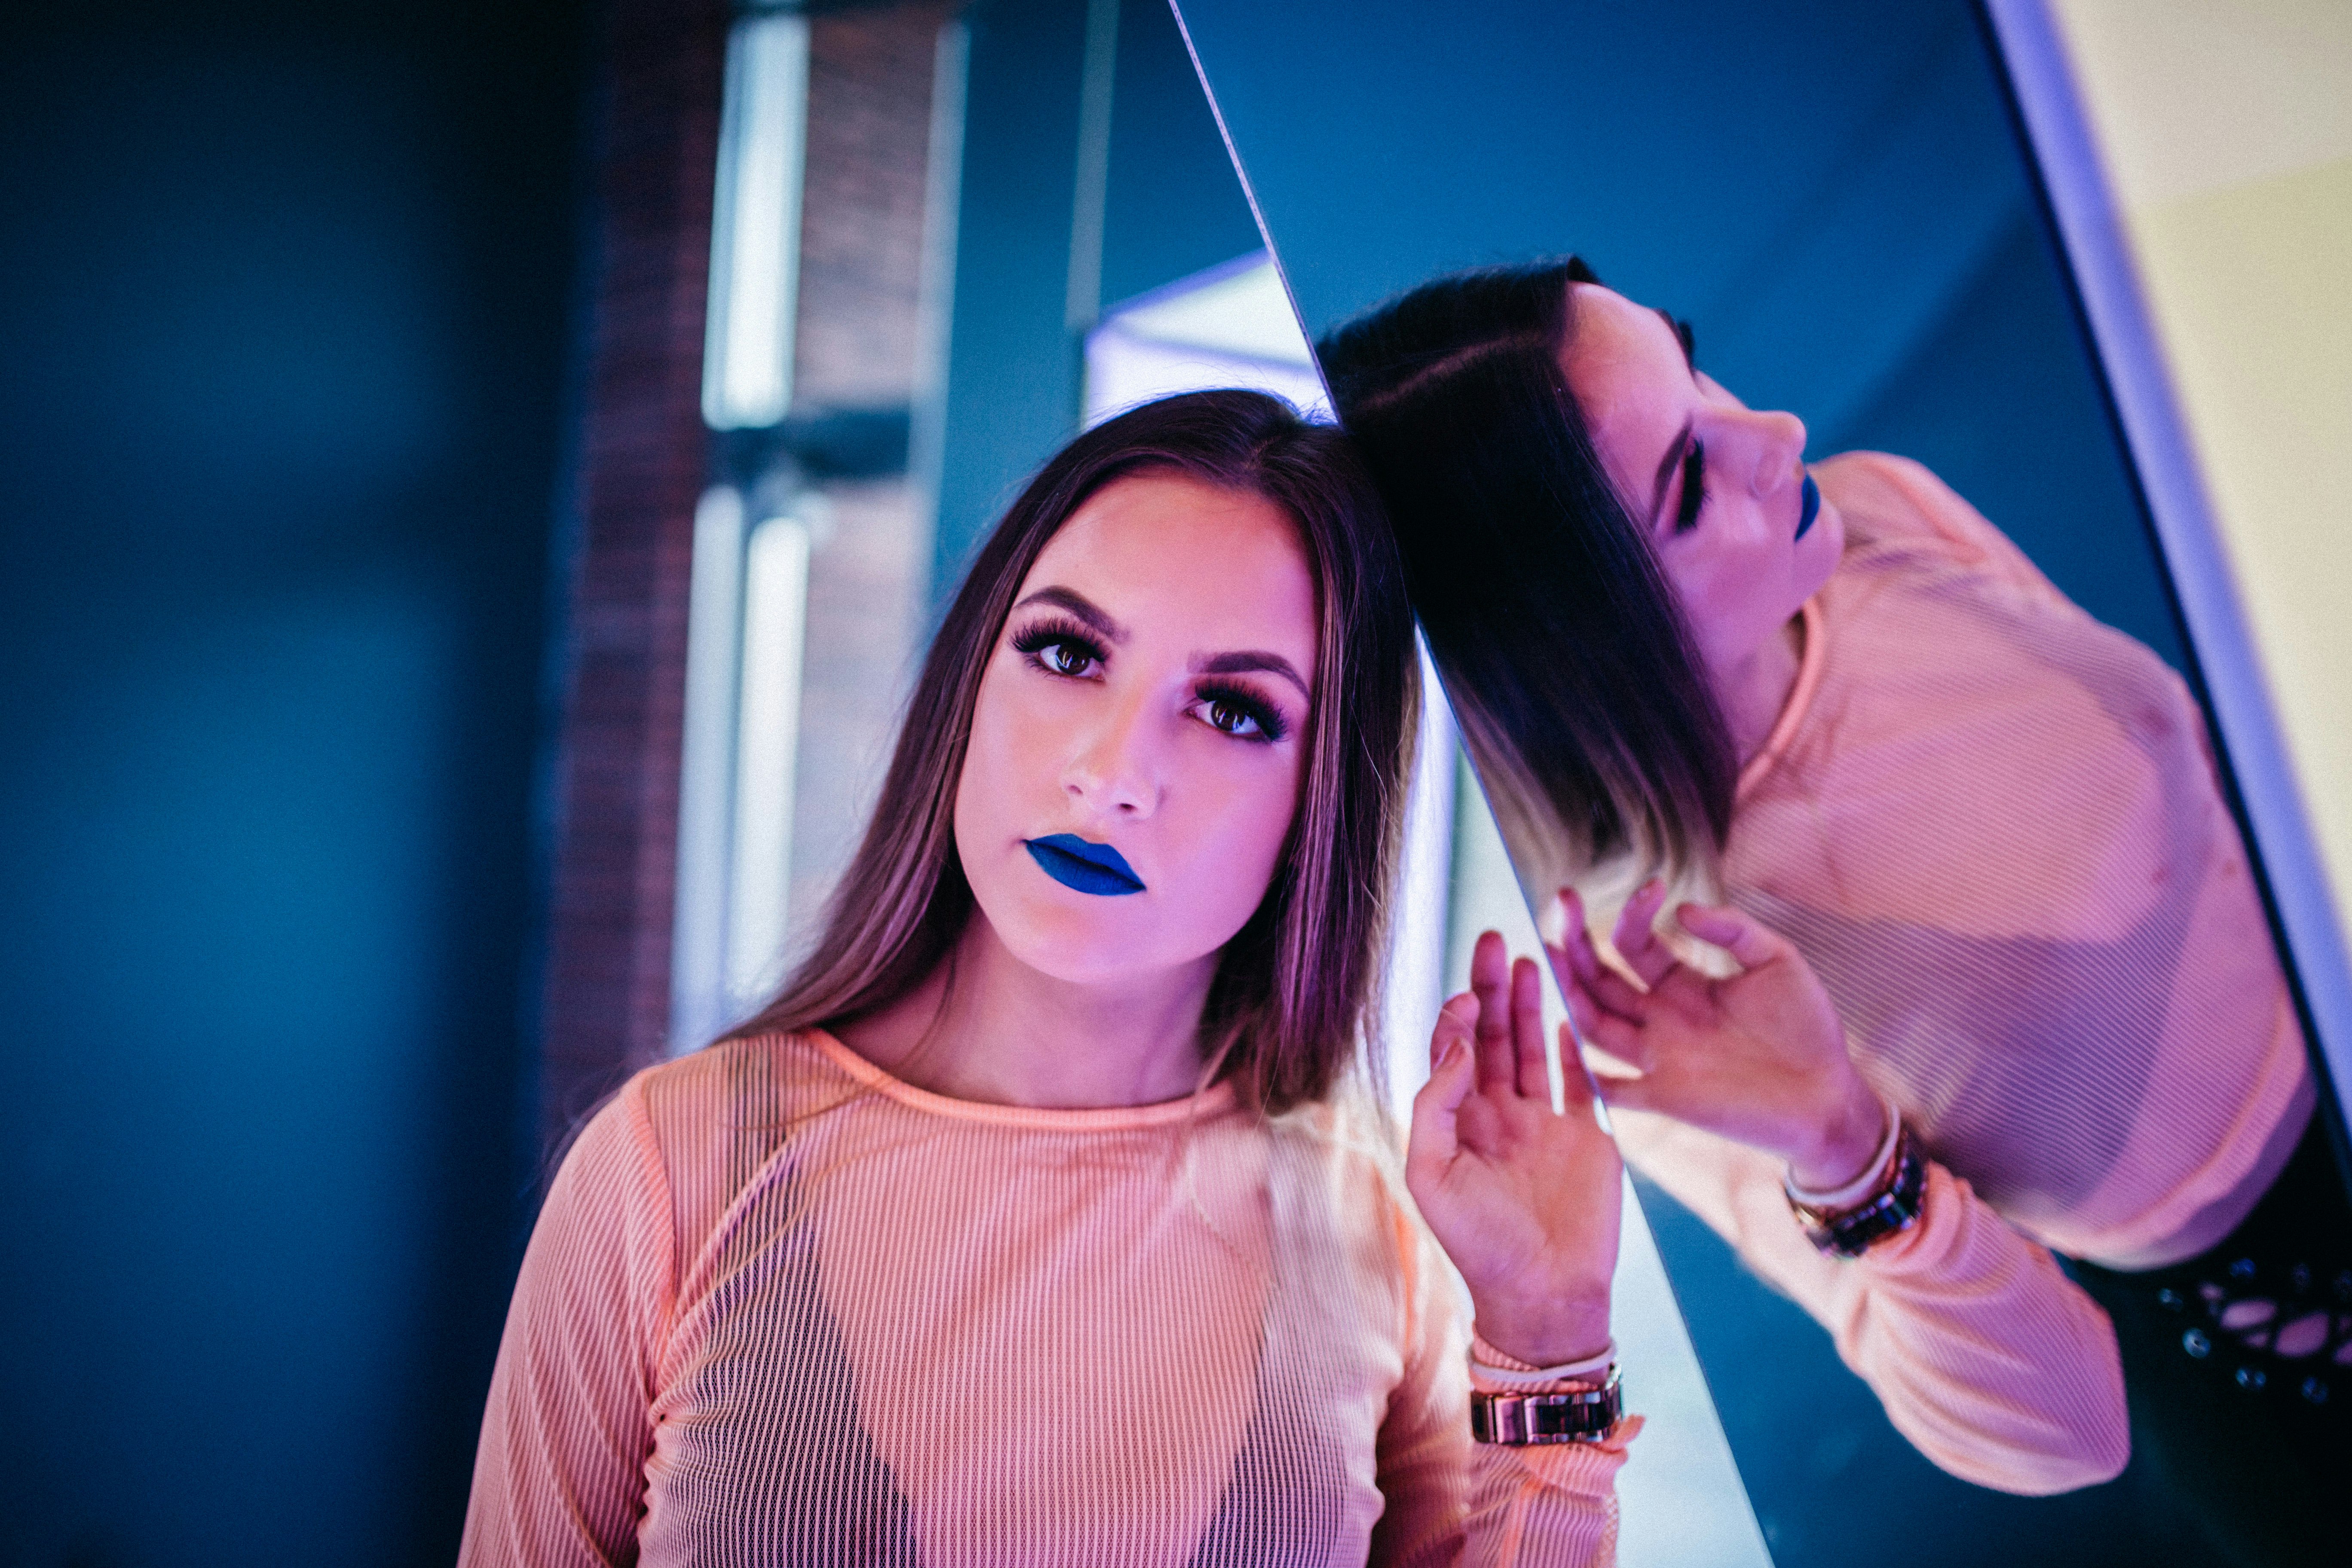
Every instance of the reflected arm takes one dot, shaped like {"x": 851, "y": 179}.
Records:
{"x": 1993, "y": 1363}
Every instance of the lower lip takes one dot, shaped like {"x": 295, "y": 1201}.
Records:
{"x": 1813, "y": 508}
{"x": 1079, "y": 874}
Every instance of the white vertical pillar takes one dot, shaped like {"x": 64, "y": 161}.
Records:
{"x": 1416, "y": 973}
{"x": 755, "y": 232}
{"x": 767, "y": 748}
{"x": 706, "y": 790}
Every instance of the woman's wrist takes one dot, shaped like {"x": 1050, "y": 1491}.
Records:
{"x": 1851, "y": 1142}
{"x": 1553, "y": 1332}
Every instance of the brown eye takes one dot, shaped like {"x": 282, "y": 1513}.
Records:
{"x": 1063, "y": 660}
{"x": 1234, "y": 721}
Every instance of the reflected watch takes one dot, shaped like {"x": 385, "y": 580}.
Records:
{"x": 1888, "y": 1207}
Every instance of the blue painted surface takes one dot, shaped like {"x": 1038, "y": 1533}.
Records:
{"x": 1172, "y": 207}
{"x": 1833, "y": 195}
{"x": 1830, "y": 193}
{"x": 284, "y": 311}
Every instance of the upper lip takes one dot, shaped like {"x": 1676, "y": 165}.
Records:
{"x": 1098, "y": 855}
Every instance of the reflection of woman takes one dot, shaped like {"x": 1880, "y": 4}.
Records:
{"x": 1031, "y": 1223}
{"x": 1989, "y": 823}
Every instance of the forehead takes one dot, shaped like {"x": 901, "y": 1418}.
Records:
{"x": 1627, "y": 373}
{"x": 1172, "y": 556}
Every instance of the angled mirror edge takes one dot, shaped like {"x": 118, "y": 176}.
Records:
{"x": 1751, "y": 1543}
{"x": 2060, "y": 151}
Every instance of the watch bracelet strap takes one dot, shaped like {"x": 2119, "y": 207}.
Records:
{"x": 1890, "y": 1208}
{"x": 1518, "y": 1420}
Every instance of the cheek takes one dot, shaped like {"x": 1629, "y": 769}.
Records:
{"x": 994, "y": 761}
{"x": 1244, "y": 820}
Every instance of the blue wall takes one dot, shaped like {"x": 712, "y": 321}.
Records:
{"x": 1172, "y": 207}
{"x": 1832, "y": 193}
{"x": 1829, "y": 192}
{"x": 284, "y": 299}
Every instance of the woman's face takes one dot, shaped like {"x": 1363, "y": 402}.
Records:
{"x": 1137, "y": 743}
{"x": 1719, "y": 487}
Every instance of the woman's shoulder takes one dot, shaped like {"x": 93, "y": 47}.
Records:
{"x": 1898, "y": 512}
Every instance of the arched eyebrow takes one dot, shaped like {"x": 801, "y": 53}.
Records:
{"x": 1078, "y": 605}
{"x": 1253, "y": 661}
{"x": 1674, "y": 450}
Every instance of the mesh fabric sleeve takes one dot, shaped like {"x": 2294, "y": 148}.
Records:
{"x": 560, "y": 1477}
{"x": 1993, "y": 1363}
{"x": 1452, "y": 1501}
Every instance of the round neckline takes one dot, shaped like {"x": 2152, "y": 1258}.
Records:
{"x": 1810, "y": 661}
{"x": 1213, "y": 1100}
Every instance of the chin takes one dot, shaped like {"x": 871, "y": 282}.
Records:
{"x": 1091, "y": 943}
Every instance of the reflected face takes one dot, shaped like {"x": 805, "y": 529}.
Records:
{"x": 1719, "y": 488}
{"x": 1138, "y": 740}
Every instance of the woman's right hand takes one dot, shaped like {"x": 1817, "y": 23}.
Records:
{"x": 1525, "y": 1199}
{"x": 1760, "y": 1058}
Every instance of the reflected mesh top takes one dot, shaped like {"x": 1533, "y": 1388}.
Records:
{"x": 780, "y": 1308}
{"x": 1992, "y": 824}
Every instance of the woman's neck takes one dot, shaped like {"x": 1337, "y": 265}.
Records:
{"x": 985, "y": 1026}
{"x": 1756, "y": 693}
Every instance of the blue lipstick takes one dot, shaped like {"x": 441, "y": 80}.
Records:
{"x": 1095, "y": 869}
{"x": 1813, "y": 507}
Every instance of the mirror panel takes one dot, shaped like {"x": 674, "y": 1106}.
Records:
{"x": 1834, "y": 195}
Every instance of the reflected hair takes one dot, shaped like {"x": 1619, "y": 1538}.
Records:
{"x": 1578, "y": 690}
{"x": 1296, "y": 989}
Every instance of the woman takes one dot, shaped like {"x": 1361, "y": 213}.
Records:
{"x": 1841, "y": 700}
{"x": 1035, "y": 1220}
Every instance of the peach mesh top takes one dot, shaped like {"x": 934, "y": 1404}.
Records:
{"x": 1992, "y": 827}
{"x": 781, "y": 1308}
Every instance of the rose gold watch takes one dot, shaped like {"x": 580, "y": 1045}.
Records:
{"x": 1889, "y": 1207}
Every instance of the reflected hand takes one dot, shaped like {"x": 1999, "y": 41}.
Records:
{"x": 1525, "y": 1201}
{"x": 1760, "y": 1058}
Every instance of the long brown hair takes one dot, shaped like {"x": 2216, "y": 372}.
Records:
{"x": 1567, "y": 658}
{"x": 1296, "y": 988}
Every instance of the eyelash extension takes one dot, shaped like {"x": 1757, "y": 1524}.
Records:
{"x": 1270, "y": 724}
{"x": 1035, "y": 639}
{"x": 1693, "y": 487}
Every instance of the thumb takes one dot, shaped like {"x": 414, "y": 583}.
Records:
{"x": 1753, "y": 944}
{"x": 1433, "y": 1141}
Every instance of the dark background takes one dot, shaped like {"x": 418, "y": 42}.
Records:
{"x": 299, "y": 307}
{"x": 286, "y": 328}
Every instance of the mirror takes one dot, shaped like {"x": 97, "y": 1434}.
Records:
{"x": 1972, "y": 785}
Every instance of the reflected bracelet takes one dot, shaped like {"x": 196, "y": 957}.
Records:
{"x": 1888, "y": 1207}
{"x": 1519, "y": 1420}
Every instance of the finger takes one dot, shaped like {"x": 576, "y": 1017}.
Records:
{"x": 1637, "y": 934}
{"x": 1626, "y": 1093}
{"x": 1458, "y": 1019}
{"x": 1528, "y": 1031}
{"x": 1753, "y": 944}
{"x": 1571, "y": 952}
{"x": 1624, "y": 1043}
{"x": 1618, "y": 997}
{"x": 1434, "y": 1138}
{"x": 1583, "y": 1012}
{"x": 1577, "y": 1090}
{"x": 1490, "y": 980}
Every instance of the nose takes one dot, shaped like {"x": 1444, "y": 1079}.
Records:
{"x": 1114, "y": 768}
{"x": 1779, "y": 445}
